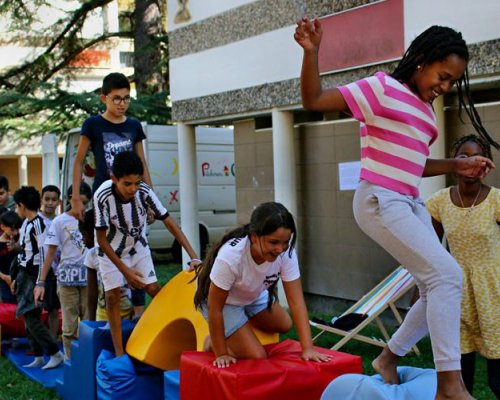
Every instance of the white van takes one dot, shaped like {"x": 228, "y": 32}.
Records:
{"x": 216, "y": 180}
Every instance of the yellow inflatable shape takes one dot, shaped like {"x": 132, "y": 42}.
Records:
{"x": 171, "y": 325}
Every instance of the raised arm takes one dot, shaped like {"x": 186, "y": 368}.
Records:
{"x": 308, "y": 36}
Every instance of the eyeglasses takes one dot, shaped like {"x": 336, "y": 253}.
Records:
{"x": 117, "y": 100}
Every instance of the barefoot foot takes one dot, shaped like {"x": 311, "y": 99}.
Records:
{"x": 385, "y": 364}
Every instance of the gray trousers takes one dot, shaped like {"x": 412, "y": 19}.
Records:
{"x": 402, "y": 226}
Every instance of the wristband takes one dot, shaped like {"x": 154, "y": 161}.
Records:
{"x": 40, "y": 283}
{"x": 194, "y": 260}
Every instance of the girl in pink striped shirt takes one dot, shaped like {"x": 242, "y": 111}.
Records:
{"x": 398, "y": 125}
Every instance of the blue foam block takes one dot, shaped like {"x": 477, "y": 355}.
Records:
{"x": 171, "y": 384}
{"x": 415, "y": 383}
{"x": 16, "y": 354}
{"x": 80, "y": 371}
{"x": 118, "y": 378}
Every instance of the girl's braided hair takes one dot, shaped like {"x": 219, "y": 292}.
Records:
{"x": 435, "y": 44}
{"x": 485, "y": 146}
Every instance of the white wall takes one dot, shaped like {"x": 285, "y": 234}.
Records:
{"x": 47, "y": 16}
{"x": 200, "y": 9}
{"x": 270, "y": 57}
{"x": 274, "y": 56}
{"x": 478, "y": 20}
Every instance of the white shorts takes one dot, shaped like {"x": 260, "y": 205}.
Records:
{"x": 112, "y": 278}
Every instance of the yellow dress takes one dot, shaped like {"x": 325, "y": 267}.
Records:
{"x": 473, "y": 236}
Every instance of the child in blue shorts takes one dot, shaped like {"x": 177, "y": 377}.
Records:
{"x": 237, "y": 287}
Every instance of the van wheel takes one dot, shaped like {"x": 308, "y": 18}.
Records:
{"x": 177, "y": 249}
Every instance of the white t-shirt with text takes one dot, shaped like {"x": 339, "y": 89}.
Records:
{"x": 235, "y": 270}
{"x": 64, "y": 233}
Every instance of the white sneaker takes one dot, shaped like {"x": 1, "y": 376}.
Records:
{"x": 54, "y": 361}
{"x": 37, "y": 362}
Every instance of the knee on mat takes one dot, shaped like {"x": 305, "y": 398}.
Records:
{"x": 285, "y": 325}
{"x": 257, "y": 353}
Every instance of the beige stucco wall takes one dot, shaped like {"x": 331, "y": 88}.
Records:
{"x": 337, "y": 259}
{"x": 9, "y": 169}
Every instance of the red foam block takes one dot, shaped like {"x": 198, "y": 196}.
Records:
{"x": 283, "y": 375}
{"x": 12, "y": 327}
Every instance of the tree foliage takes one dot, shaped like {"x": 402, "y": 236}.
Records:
{"x": 33, "y": 98}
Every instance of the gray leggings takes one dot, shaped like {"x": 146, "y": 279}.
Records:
{"x": 402, "y": 226}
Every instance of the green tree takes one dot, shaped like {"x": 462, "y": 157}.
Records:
{"x": 32, "y": 95}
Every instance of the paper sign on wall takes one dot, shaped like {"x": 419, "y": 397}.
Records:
{"x": 349, "y": 175}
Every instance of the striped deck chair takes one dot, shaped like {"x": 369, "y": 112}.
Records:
{"x": 368, "y": 309}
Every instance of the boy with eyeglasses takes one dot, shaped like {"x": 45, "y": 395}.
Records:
{"x": 106, "y": 135}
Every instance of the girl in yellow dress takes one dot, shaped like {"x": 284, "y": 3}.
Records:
{"x": 469, "y": 215}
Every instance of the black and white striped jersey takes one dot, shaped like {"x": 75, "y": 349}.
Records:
{"x": 125, "y": 222}
{"x": 31, "y": 239}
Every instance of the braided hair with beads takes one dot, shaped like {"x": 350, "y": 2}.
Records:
{"x": 485, "y": 146}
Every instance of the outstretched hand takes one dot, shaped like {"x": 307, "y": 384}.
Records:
{"x": 313, "y": 355}
{"x": 224, "y": 361}
{"x": 474, "y": 167}
{"x": 308, "y": 33}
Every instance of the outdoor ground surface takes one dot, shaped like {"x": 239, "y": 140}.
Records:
{"x": 14, "y": 386}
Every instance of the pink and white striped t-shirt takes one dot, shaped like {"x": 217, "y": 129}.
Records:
{"x": 396, "y": 131}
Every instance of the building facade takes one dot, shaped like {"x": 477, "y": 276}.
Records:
{"x": 235, "y": 62}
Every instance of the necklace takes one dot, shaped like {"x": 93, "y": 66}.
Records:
{"x": 469, "y": 209}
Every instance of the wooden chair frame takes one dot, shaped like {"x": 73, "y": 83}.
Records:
{"x": 372, "y": 317}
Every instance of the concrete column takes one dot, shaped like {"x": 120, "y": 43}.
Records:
{"x": 23, "y": 170}
{"x": 50, "y": 160}
{"x": 285, "y": 180}
{"x": 188, "y": 185}
{"x": 110, "y": 23}
{"x": 438, "y": 150}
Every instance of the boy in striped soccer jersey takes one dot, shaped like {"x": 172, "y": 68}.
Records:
{"x": 121, "y": 205}
{"x": 31, "y": 258}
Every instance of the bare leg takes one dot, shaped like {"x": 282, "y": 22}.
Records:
{"x": 54, "y": 323}
{"x": 207, "y": 344}
{"x": 244, "y": 344}
{"x": 113, "y": 298}
{"x": 273, "y": 320}
{"x": 385, "y": 364}
{"x": 152, "y": 289}
{"x": 451, "y": 386}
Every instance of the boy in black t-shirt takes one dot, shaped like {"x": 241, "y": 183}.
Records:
{"x": 107, "y": 135}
